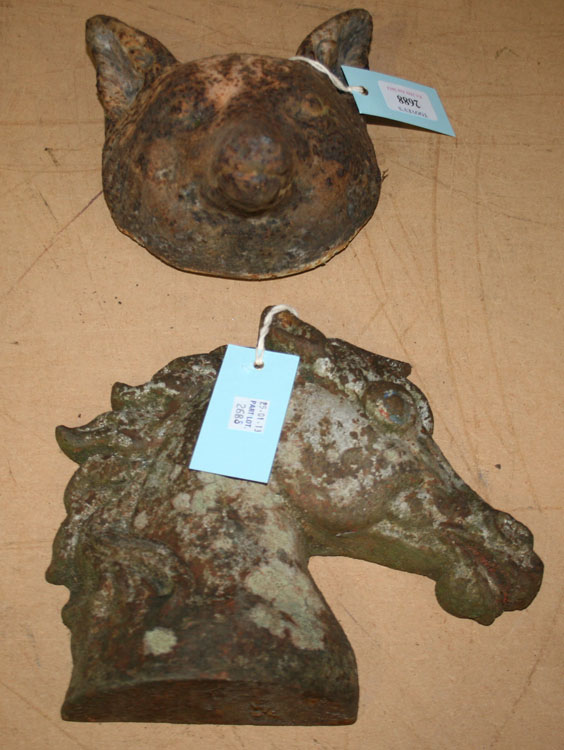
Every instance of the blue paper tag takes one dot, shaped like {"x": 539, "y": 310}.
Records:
{"x": 397, "y": 99}
{"x": 242, "y": 426}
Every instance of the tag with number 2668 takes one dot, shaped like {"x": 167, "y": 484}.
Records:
{"x": 244, "y": 419}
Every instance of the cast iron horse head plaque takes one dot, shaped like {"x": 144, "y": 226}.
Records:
{"x": 243, "y": 166}
{"x": 191, "y": 599}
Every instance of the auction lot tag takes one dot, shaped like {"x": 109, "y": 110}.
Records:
{"x": 396, "y": 99}
{"x": 240, "y": 432}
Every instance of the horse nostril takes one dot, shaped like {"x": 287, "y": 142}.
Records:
{"x": 252, "y": 168}
{"x": 512, "y": 530}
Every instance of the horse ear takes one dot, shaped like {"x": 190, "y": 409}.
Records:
{"x": 291, "y": 335}
{"x": 126, "y": 61}
{"x": 342, "y": 40}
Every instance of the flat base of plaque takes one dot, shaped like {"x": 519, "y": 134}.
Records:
{"x": 211, "y": 702}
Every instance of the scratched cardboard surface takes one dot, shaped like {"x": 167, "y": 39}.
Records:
{"x": 459, "y": 272}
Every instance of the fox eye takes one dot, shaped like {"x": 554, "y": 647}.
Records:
{"x": 390, "y": 403}
{"x": 308, "y": 108}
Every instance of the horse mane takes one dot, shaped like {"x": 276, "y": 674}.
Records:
{"x": 340, "y": 367}
{"x": 149, "y": 426}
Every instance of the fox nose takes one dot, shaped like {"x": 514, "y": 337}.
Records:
{"x": 252, "y": 168}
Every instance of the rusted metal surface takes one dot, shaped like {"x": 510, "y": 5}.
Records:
{"x": 191, "y": 599}
{"x": 241, "y": 166}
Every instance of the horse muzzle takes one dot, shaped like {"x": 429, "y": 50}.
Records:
{"x": 489, "y": 579}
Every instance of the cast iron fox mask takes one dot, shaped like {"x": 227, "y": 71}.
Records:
{"x": 242, "y": 166}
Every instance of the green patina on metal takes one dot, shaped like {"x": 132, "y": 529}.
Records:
{"x": 191, "y": 599}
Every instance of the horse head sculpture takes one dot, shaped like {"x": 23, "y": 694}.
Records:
{"x": 243, "y": 166}
{"x": 191, "y": 599}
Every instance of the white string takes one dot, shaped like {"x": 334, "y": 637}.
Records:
{"x": 265, "y": 328}
{"x": 332, "y": 77}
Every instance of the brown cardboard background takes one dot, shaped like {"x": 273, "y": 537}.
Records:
{"x": 459, "y": 272}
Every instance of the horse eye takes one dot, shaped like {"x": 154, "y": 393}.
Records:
{"x": 389, "y": 402}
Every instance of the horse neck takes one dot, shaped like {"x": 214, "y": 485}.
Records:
{"x": 241, "y": 616}
{"x": 240, "y": 538}
{"x": 248, "y": 557}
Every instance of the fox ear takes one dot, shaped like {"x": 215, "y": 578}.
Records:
{"x": 342, "y": 40}
{"x": 126, "y": 61}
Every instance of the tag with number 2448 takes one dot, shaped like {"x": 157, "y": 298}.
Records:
{"x": 397, "y": 99}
